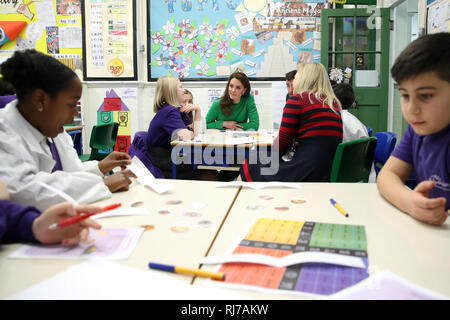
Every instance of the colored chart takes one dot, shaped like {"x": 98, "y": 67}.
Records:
{"x": 279, "y": 238}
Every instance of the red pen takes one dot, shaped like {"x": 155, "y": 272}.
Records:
{"x": 82, "y": 216}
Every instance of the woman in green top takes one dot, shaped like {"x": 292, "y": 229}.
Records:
{"x": 236, "y": 109}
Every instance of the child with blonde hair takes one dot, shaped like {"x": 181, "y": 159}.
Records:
{"x": 312, "y": 118}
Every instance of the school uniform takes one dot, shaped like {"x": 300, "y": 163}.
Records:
{"x": 430, "y": 157}
{"x": 161, "y": 131}
{"x": 244, "y": 113}
{"x": 317, "y": 131}
{"x": 4, "y": 100}
{"x": 16, "y": 222}
{"x": 27, "y": 161}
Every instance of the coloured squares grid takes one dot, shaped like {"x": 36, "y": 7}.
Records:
{"x": 339, "y": 236}
{"x": 275, "y": 231}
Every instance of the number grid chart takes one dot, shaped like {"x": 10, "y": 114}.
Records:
{"x": 279, "y": 238}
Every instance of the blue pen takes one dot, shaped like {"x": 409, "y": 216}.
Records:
{"x": 337, "y": 206}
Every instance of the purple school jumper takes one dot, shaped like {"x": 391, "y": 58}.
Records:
{"x": 16, "y": 222}
{"x": 430, "y": 157}
{"x": 164, "y": 123}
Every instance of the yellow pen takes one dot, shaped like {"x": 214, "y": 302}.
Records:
{"x": 195, "y": 272}
{"x": 337, "y": 206}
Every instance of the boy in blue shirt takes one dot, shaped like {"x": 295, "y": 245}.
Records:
{"x": 422, "y": 72}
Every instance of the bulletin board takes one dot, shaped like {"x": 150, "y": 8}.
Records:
{"x": 209, "y": 39}
{"x": 109, "y": 40}
{"x": 438, "y": 16}
{"x": 49, "y": 26}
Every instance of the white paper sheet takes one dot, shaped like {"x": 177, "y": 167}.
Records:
{"x": 106, "y": 243}
{"x": 122, "y": 212}
{"x": 292, "y": 259}
{"x": 386, "y": 285}
{"x": 146, "y": 178}
{"x": 94, "y": 279}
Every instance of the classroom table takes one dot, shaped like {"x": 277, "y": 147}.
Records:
{"x": 158, "y": 245}
{"x": 222, "y": 149}
{"x": 411, "y": 249}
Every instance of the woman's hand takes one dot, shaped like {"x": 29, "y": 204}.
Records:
{"x": 188, "y": 107}
{"x": 232, "y": 125}
{"x": 69, "y": 235}
{"x": 114, "y": 159}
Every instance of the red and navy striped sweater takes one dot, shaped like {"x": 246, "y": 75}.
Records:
{"x": 302, "y": 119}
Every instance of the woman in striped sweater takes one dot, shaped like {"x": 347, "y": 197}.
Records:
{"x": 311, "y": 120}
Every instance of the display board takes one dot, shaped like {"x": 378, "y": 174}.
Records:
{"x": 438, "y": 16}
{"x": 208, "y": 40}
{"x": 49, "y": 26}
{"x": 109, "y": 40}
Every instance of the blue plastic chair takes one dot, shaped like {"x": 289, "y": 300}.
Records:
{"x": 77, "y": 141}
{"x": 385, "y": 146}
{"x": 139, "y": 149}
{"x": 369, "y": 131}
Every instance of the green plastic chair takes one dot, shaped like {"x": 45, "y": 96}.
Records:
{"x": 103, "y": 139}
{"x": 353, "y": 160}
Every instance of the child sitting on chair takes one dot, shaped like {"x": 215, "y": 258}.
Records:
{"x": 422, "y": 72}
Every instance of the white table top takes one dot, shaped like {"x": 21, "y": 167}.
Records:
{"x": 228, "y": 138}
{"x": 407, "y": 247}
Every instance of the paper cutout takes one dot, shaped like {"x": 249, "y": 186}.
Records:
{"x": 146, "y": 178}
{"x": 112, "y": 104}
{"x": 10, "y": 30}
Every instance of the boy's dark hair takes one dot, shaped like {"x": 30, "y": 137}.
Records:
{"x": 291, "y": 75}
{"x": 344, "y": 93}
{"x": 429, "y": 53}
{"x": 29, "y": 70}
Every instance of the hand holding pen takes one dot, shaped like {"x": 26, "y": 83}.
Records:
{"x": 69, "y": 235}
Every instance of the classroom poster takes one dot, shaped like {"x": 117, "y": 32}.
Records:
{"x": 210, "y": 39}
{"x": 46, "y": 23}
{"x": 109, "y": 39}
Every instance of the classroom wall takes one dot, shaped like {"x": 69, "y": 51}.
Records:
{"x": 142, "y": 105}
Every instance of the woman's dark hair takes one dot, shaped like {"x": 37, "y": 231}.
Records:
{"x": 225, "y": 101}
{"x": 29, "y": 70}
{"x": 429, "y": 53}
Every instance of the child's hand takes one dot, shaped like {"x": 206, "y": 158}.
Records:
{"x": 69, "y": 235}
{"x": 4, "y": 194}
{"x": 426, "y": 209}
{"x": 114, "y": 159}
{"x": 119, "y": 181}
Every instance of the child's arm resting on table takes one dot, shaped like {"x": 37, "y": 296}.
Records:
{"x": 391, "y": 184}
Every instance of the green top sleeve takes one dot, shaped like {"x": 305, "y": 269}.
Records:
{"x": 244, "y": 113}
{"x": 252, "y": 114}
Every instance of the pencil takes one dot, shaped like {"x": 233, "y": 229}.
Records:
{"x": 80, "y": 217}
{"x": 195, "y": 272}
{"x": 338, "y": 206}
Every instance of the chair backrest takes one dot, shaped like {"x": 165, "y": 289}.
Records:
{"x": 353, "y": 160}
{"x": 77, "y": 141}
{"x": 385, "y": 146}
{"x": 139, "y": 149}
{"x": 103, "y": 139}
